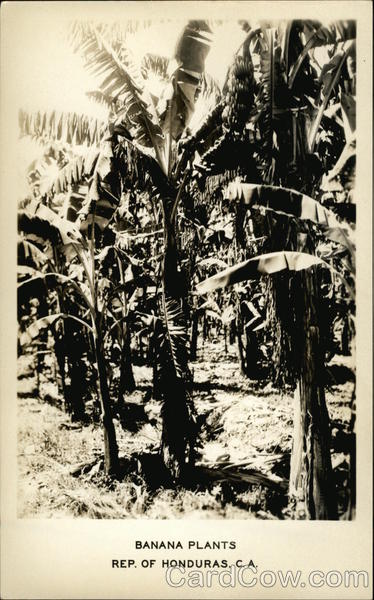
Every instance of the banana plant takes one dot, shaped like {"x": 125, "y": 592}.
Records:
{"x": 311, "y": 471}
{"x": 40, "y": 247}
{"x": 150, "y": 126}
{"x": 80, "y": 248}
{"x": 86, "y": 293}
{"x": 293, "y": 75}
{"x": 260, "y": 129}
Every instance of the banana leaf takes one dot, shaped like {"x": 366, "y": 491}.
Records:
{"x": 330, "y": 76}
{"x": 137, "y": 119}
{"x": 33, "y": 331}
{"x": 292, "y": 203}
{"x": 69, "y": 127}
{"x": 266, "y": 264}
{"x": 317, "y": 34}
{"x": 52, "y": 279}
{"x": 74, "y": 171}
{"x": 179, "y": 100}
{"x": 27, "y": 252}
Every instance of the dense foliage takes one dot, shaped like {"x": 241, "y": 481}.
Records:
{"x": 187, "y": 190}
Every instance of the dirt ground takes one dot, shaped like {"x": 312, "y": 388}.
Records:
{"x": 246, "y": 433}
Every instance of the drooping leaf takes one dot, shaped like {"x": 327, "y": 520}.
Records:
{"x": 33, "y": 331}
{"x": 52, "y": 279}
{"x": 266, "y": 264}
{"x": 293, "y": 203}
{"x": 67, "y": 127}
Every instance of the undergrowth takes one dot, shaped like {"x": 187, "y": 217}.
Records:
{"x": 244, "y": 425}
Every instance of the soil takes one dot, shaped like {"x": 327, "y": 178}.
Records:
{"x": 243, "y": 452}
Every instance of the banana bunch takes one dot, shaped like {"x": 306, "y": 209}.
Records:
{"x": 240, "y": 91}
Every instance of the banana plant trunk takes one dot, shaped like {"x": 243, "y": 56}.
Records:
{"x": 61, "y": 343}
{"x": 194, "y": 334}
{"x": 127, "y": 381}
{"x": 312, "y": 488}
{"x": 175, "y": 414}
{"x": 61, "y": 363}
{"x": 241, "y": 353}
{"x": 75, "y": 391}
{"x": 111, "y": 461}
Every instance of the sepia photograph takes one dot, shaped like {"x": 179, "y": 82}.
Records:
{"x": 186, "y": 272}
{"x": 186, "y": 359}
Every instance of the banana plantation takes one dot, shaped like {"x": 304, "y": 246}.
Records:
{"x": 186, "y": 280}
